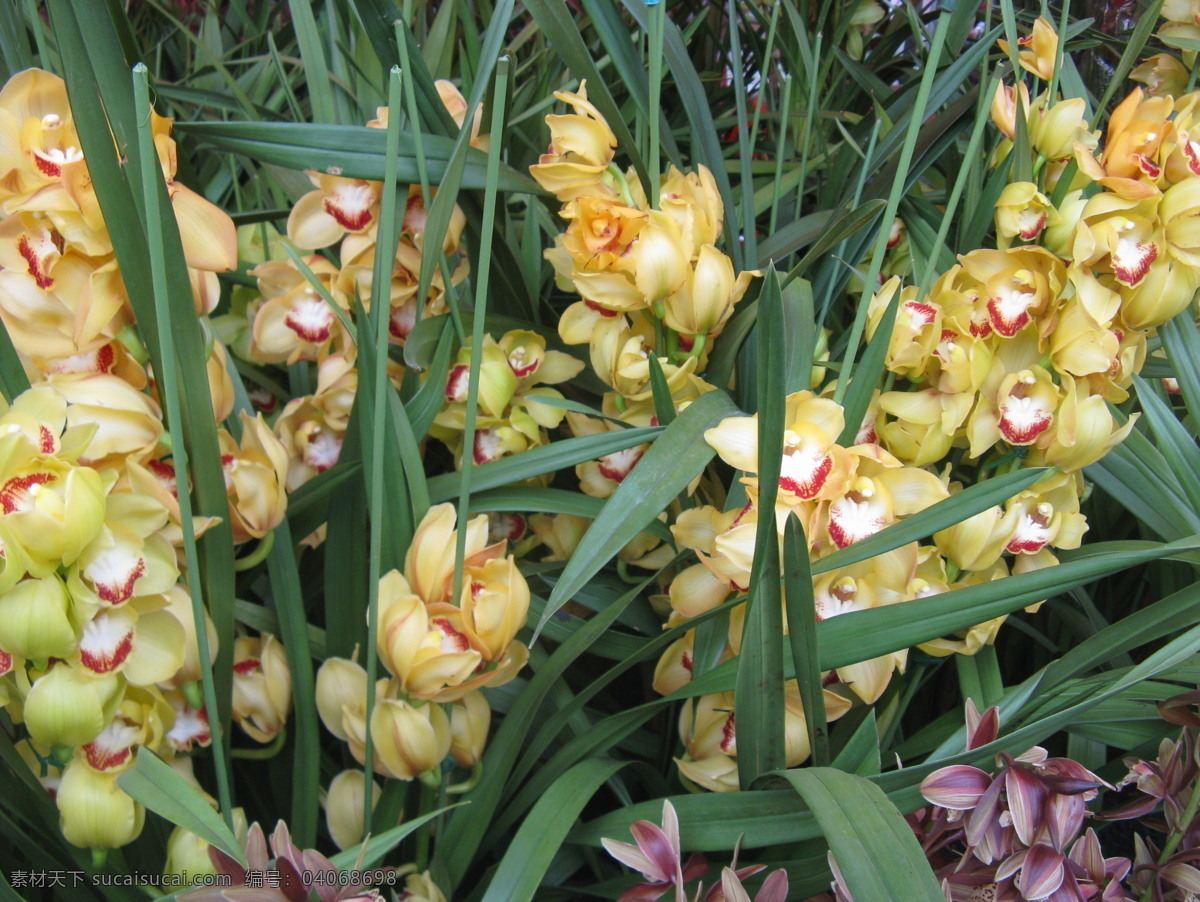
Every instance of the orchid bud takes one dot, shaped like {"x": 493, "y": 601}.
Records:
{"x": 421, "y": 888}
{"x": 35, "y": 620}
{"x": 94, "y": 812}
{"x": 660, "y": 261}
{"x": 344, "y": 807}
{"x": 408, "y": 741}
{"x": 187, "y": 853}
{"x": 470, "y": 717}
{"x": 340, "y": 684}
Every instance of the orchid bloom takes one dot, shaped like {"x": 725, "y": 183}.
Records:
{"x": 657, "y": 858}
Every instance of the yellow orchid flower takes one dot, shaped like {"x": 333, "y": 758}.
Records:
{"x": 580, "y": 151}
{"x": 1020, "y": 213}
{"x": 295, "y": 323}
{"x": 262, "y": 686}
{"x": 408, "y": 740}
{"x": 337, "y": 205}
{"x": 1041, "y": 47}
{"x": 256, "y": 472}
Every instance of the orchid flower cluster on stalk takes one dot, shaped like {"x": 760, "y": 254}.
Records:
{"x": 98, "y": 650}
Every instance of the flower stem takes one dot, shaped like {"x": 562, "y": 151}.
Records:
{"x": 263, "y": 754}
{"x": 258, "y": 555}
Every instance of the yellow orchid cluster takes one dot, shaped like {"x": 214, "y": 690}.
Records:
{"x": 291, "y": 320}
{"x": 98, "y": 653}
{"x": 1016, "y": 353}
{"x": 841, "y": 495}
{"x": 650, "y": 276}
{"x": 440, "y": 651}
{"x": 514, "y": 372}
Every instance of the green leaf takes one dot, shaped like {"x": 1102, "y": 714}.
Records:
{"x": 312, "y": 54}
{"x": 1182, "y": 342}
{"x": 539, "y": 461}
{"x": 860, "y": 754}
{"x": 664, "y": 407}
{"x": 155, "y": 784}
{"x": 875, "y": 849}
{"x": 551, "y": 501}
{"x": 537, "y": 841}
{"x": 672, "y": 461}
{"x": 359, "y": 152}
{"x": 802, "y": 634}
{"x": 1173, "y": 440}
{"x": 366, "y": 855}
{"x": 831, "y": 233}
{"x": 293, "y": 633}
{"x": 758, "y": 699}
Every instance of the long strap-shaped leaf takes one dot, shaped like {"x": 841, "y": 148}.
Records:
{"x": 537, "y": 842}
{"x": 714, "y": 821}
{"x": 876, "y": 851}
{"x": 358, "y": 151}
{"x": 160, "y": 788}
{"x": 663, "y": 472}
{"x": 758, "y": 704}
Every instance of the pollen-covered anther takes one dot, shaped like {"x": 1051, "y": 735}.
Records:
{"x": 50, "y": 162}
{"x": 115, "y": 574}
{"x": 617, "y": 466}
{"x": 518, "y": 362}
{"x": 36, "y": 251}
{"x": 324, "y": 448}
{"x": 856, "y": 515}
{"x": 191, "y": 727}
{"x": 487, "y": 446}
{"x": 1131, "y": 260}
{"x": 457, "y": 382}
{"x": 1024, "y": 416}
{"x": 20, "y": 492}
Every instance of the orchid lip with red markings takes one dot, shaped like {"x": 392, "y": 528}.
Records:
{"x": 350, "y": 204}
{"x": 107, "y": 641}
{"x": 310, "y": 318}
